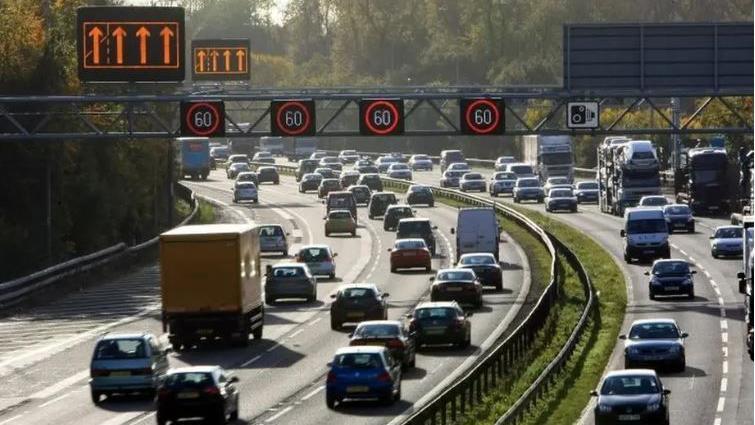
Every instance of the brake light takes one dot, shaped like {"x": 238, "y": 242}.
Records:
{"x": 384, "y": 377}
{"x": 98, "y": 372}
{"x": 395, "y": 343}
{"x": 331, "y": 377}
{"x": 211, "y": 390}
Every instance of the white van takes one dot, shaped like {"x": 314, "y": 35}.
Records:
{"x": 645, "y": 234}
{"x": 477, "y": 230}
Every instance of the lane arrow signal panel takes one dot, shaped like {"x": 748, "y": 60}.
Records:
{"x": 131, "y": 43}
{"x": 220, "y": 60}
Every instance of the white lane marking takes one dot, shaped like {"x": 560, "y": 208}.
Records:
{"x": 313, "y": 393}
{"x": 54, "y": 389}
{"x": 724, "y": 384}
{"x": 725, "y": 351}
{"x": 723, "y": 312}
{"x": 720, "y": 407}
{"x": 11, "y": 419}
{"x": 313, "y": 322}
{"x": 252, "y": 360}
{"x": 720, "y": 301}
{"x": 279, "y": 414}
{"x": 717, "y": 421}
{"x": 692, "y": 260}
{"x": 122, "y": 418}
{"x": 725, "y": 367}
{"x": 724, "y": 337}
{"x": 683, "y": 252}
{"x": 56, "y": 399}
{"x": 707, "y": 274}
{"x": 296, "y": 333}
{"x": 724, "y": 325}
{"x": 273, "y": 347}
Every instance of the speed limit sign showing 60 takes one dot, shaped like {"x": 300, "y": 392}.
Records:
{"x": 381, "y": 117}
{"x": 292, "y": 118}
{"x": 481, "y": 116}
{"x": 203, "y": 119}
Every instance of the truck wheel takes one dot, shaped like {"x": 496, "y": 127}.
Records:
{"x": 204, "y": 176}
{"x": 628, "y": 259}
{"x": 269, "y": 300}
{"x": 334, "y": 324}
{"x": 257, "y": 332}
{"x": 242, "y": 340}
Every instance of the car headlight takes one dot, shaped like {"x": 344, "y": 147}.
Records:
{"x": 687, "y": 282}
{"x": 633, "y": 350}
{"x": 652, "y": 407}
{"x": 602, "y": 408}
{"x": 714, "y": 245}
{"x": 690, "y": 219}
{"x": 676, "y": 349}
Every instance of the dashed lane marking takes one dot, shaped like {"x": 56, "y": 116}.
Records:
{"x": 279, "y": 414}
{"x": 313, "y": 393}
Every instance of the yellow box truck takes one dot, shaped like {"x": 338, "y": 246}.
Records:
{"x": 211, "y": 284}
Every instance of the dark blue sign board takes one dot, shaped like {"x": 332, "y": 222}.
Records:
{"x": 646, "y": 57}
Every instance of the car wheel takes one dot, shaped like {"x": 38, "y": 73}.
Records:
{"x": 334, "y": 325}
{"x": 428, "y": 268}
{"x": 681, "y": 366}
{"x": 330, "y": 401}
{"x": 691, "y": 229}
{"x": 354, "y": 233}
{"x": 96, "y": 395}
{"x": 499, "y": 287}
{"x": 713, "y": 253}
{"x": 332, "y": 276}
{"x": 285, "y": 253}
{"x": 269, "y": 300}
{"x": 397, "y": 396}
{"x": 628, "y": 364}
{"x": 691, "y": 294}
{"x": 627, "y": 259}
{"x": 652, "y": 295}
{"x": 161, "y": 419}
{"x": 431, "y": 204}
{"x": 413, "y": 361}
{"x": 327, "y": 233}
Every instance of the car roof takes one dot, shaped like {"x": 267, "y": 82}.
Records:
{"x": 455, "y": 269}
{"x": 350, "y": 173}
{"x": 334, "y": 212}
{"x": 631, "y": 372}
{"x": 476, "y": 254}
{"x": 410, "y": 240}
{"x": 414, "y": 219}
{"x": 271, "y": 225}
{"x": 320, "y": 246}
{"x": 644, "y": 212}
{"x": 289, "y": 264}
{"x": 658, "y": 320}
{"x": 653, "y": 196}
{"x": 361, "y": 349}
{"x": 245, "y": 173}
{"x": 437, "y": 304}
{"x": 268, "y": 168}
{"x": 246, "y": 184}
{"x": 194, "y": 369}
{"x": 397, "y": 206}
{"x": 358, "y": 285}
{"x": 379, "y": 322}
{"x": 125, "y": 335}
{"x": 358, "y": 186}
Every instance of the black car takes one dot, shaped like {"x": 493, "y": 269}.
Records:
{"x": 306, "y": 166}
{"x": 390, "y": 334}
{"x": 394, "y": 213}
{"x": 440, "y": 323}
{"x": 327, "y": 173}
{"x": 632, "y": 396}
{"x": 485, "y": 267}
{"x": 361, "y": 194}
{"x": 671, "y": 277}
{"x": 372, "y": 181}
{"x": 419, "y": 194}
{"x": 367, "y": 169}
{"x": 379, "y": 203}
{"x": 357, "y": 302}
{"x": 409, "y": 228}
{"x": 310, "y": 181}
{"x": 198, "y": 391}
{"x": 679, "y": 217}
{"x": 655, "y": 343}
{"x": 460, "y": 285}
{"x": 268, "y": 174}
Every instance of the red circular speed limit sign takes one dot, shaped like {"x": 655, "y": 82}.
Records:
{"x": 381, "y": 117}
{"x": 292, "y": 118}
{"x": 481, "y": 116}
{"x": 203, "y": 119}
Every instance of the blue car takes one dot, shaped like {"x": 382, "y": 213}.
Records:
{"x": 654, "y": 343}
{"x": 363, "y": 372}
{"x": 125, "y": 363}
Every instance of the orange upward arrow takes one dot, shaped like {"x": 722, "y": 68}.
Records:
{"x": 214, "y": 55}
{"x": 227, "y": 55}
{"x": 96, "y": 34}
{"x": 240, "y": 56}
{"x": 142, "y": 34}
{"x": 201, "y": 55}
{"x": 166, "y": 34}
{"x": 119, "y": 33}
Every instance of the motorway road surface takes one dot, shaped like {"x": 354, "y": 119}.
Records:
{"x": 45, "y": 351}
{"x": 717, "y": 387}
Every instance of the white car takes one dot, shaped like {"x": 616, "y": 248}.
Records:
{"x": 561, "y": 199}
{"x": 501, "y": 161}
{"x": 398, "y": 170}
{"x": 459, "y": 166}
{"x": 245, "y": 191}
{"x": 555, "y": 181}
{"x": 502, "y": 182}
{"x": 348, "y": 156}
{"x": 653, "y": 201}
{"x": 472, "y": 181}
{"x": 421, "y": 162}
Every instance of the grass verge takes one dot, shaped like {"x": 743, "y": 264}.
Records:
{"x": 205, "y": 214}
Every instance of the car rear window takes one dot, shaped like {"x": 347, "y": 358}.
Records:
{"x": 271, "y": 231}
{"x": 629, "y": 385}
{"x": 310, "y": 255}
{"x": 413, "y": 227}
{"x": 730, "y": 233}
{"x": 504, "y": 176}
{"x": 340, "y": 215}
{"x": 435, "y": 312}
{"x": 377, "y": 330}
{"x": 410, "y": 244}
{"x": 288, "y": 272}
{"x": 190, "y": 379}
{"x": 358, "y": 293}
{"x": 341, "y": 201}
{"x": 358, "y": 360}
{"x": 521, "y": 169}
{"x": 528, "y": 183}
{"x": 331, "y": 183}
{"x": 478, "y": 259}
{"x": 120, "y": 349}
{"x": 456, "y": 275}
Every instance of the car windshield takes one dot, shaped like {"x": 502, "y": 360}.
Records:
{"x": 630, "y": 385}
{"x": 419, "y": 189}
{"x": 395, "y": 167}
{"x": 246, "y": 177}
{"x": 557, "y": 180}
{"x": 643, "y": 155}
{"x": 662, "y": 330}
{"x": 504, "y": 176}
{"x": 646, "y": 226}
{"x": 313, "y": 255}
{"x": 477, "y": 260}
{"x": 381, "y": 330}
{"x": 412, "y": 244}
{"x": 189, "y": 379}
{"x": 370, "y": 178}
{"x": 387, "y": 160}
{"x": 420, "y": 158}
{"x": 473, "y": 176}
{"x": 271, "y": 231}
{"x": 456, "y": 275}
{"x": 521, "y": 169}
{"x": 587, "y": 185}
{"x": 340, "y": 215}
{"x": 678, "y": 210}
{"x": 435, "y": 313}
{"x": 413, "y": 227}
{"x": 560, "y": 193}
{"x": 671, "y": 267}
{"x": 288, "y": 272}
{"x": 341, "y": 201}
{"x": 120, "y": 349}
{"x": 528, "y": 183}
{"x": 729, "y": 233}
{"x": 455, "y": 173}
{"x": 358, "y": 361}
{"x": 655, "y": 201}
{"x": 356, "y": 293}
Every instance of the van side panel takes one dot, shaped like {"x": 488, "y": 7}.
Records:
{"x": 477, "y": 231}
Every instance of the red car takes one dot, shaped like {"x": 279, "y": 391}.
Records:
{"x": 410, "y": 253}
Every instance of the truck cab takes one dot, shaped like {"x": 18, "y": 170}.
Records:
{"x": 552, "y": 156}
{"x": 702, "y": 181}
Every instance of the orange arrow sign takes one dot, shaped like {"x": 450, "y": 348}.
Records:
{"x": 240, "y": 56}
{"x": 214, "y": 55}
{"x": 96, "y": 34}
{"x": 166, "y": 34}
{"x": 227, "y": 55}
{"x": 201, "y": 55}
{"x": 119, "y": 33}
{"x": 142, "y": 34}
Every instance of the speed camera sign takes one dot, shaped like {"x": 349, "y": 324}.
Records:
{"x": 583, "y": 115}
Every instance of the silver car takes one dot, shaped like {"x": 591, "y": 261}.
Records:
{"x": 319, "y": 258}
{"x": 472, "y": 181}
{"x": 726, "y": 240}
{"x": 561, "y": 199}
{"x": 273, "y": 239}
{"x": 289, "y": 280}
{"x": 399, "y": 171}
